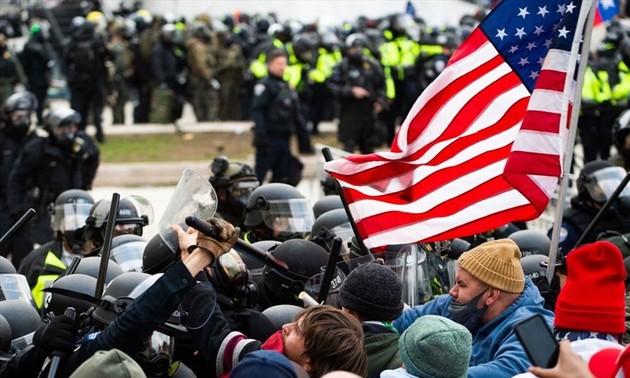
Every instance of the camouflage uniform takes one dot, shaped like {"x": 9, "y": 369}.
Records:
{"x": 203, "y": 86}
{"x": 231, "y": 64}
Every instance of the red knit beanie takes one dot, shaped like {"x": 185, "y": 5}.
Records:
{"x": 593, "y": 298}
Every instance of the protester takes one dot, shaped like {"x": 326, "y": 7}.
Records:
{"x": 490, "y": 295}
{"x": 433, "y": 346}
{"x": 372, "y": 293}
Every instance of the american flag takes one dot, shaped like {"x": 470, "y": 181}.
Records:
{"x": 605, "y": 11}
{"x": 483, "y": 144}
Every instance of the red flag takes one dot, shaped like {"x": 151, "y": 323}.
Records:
{"x": 483, "y": 144}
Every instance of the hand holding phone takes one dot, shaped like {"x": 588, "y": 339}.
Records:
{"x": 538, "y": 341}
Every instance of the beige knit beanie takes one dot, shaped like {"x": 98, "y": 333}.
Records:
{"x": 496, "y": 263}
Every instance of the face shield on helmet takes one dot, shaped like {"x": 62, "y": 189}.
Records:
{"x": 157, "y": 354}
{"x": 288, "y": 217}
{"x": 15, "y": 286}
{"x": 70, "y": 216}
{"x": 602, "y": 183}
{"x": 128, "y": 254}
{"x": 238, "y": 194}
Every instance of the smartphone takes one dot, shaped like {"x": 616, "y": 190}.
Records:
{"x": 538, "y": 341}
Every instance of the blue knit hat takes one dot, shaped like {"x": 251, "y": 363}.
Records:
{"x": 265, "y": 363}
{"x": 436, "y": 347}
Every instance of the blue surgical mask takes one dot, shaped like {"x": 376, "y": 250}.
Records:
{"x": 467, "y": 314}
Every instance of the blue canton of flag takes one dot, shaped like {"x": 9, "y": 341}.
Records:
{"x": 524, "y": 34}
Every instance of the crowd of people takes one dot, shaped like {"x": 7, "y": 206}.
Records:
{"x": 271, "y": 285}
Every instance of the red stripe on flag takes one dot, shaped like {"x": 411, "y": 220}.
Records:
{"x": 536, "y": 120}
{"x": 551, "y": 80}
{"x": 475, "y": 40}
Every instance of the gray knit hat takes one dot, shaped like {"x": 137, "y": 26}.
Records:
{"x": 436, "y": 347}
{"x": 373, "y": 291}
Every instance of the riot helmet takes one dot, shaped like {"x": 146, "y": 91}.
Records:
{"x": 6, "y": 335}
{"x": 17, "y": 112}
{"x": 357, "y": 40}
{"x": 230, "y": 276}
{"x": 531, "y": 242}
{"x": 304, "y": 259}
{"x": 598, "y": 180}
{"x": 305, "y": 47}
{"x": 62, "y": 125}
{"x": 281, "y": 209}
{"x": 134, "y": 212}
{"x": 331, "y": 224}
{"x": 157, "y": 256}
{"x": 127, "y": 251}
{"x": 282, "y": 314}
{"x": 200, "y": 30}
{"x": 330, "y": 42}
{"x": 74, "y": 290}
{"x": 6, "y": 266}
{"x": 68, "y": 216}
{"x": 254, "y": 265}
{"x": 535, "y": 266}
{"x": 167, "y": 33}
{"x": 234, "y": 184}
{"x": 22, "y": 317}
{"x": 280, "y": 32}
{"x": 91, "y": 265}
{"x": 621, "y": 130}
{"x": 327, "y": 203}
{"x": 157, "y": 352}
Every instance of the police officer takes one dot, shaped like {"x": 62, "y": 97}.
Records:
{"x": 47, "y": 166}
{"x": 276, "y": 115}
{"x": 15, "y": 130}
{"x": 37, "y": 63}
{"x": 11, "y": 73}
{"x": 231, "y": 65}
{"x": 596, "y": 182}
{"x": 359, "y": 85}
{"x": 202, "y": 62}
{"x": 234, "y": 184}
{"x": 44, "y": 264}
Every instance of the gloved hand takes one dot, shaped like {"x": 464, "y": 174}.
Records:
{"x": 227, "y": 235}
{"x": 261, "y": 141}
{"x": 58, "y": 335}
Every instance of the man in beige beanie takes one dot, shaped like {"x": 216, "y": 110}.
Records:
{"x": 491, "y": 293}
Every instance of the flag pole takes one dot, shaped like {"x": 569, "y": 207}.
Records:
{"x": 564, "y": 181}
{"x": 329, "y": 157}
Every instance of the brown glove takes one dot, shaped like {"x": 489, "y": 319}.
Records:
{"x": 227, "y": 235}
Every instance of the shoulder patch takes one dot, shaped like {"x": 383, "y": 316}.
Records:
{"x": 259, "y": 89}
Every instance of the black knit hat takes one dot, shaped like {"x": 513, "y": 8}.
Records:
{"x": 373, "y": 291}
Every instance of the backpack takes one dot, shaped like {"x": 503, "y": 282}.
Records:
{"x": 82, "y": 61}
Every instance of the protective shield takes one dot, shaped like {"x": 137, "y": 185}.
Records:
{"x": 314, "y": 283}
{"x": 15, "y": 286}
{"x": 193, "y": 196}
{"x": 410, "y": 266}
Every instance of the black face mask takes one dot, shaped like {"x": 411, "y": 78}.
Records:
{"x": 467, "y": 314}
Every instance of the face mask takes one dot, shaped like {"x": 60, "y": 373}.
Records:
{"x": 355, "y": 57}
{"x": 467, "y": 314}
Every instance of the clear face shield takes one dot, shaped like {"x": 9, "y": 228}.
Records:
{"x": 129, "y": 256}
{"x": 70, "y": 216}
{"x": 603, "y": 183}
{"x": 157, "y": 354}
{"x": 15, "y": 286}
{"x": 289, "y": 217}
{"x": 141, "y": 207}
{"x": 238, "y": 195}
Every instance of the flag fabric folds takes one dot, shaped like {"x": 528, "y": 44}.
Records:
{"x": 483, "y": 144}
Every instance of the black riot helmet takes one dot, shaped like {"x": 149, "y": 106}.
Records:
{"x": 327, "y": 203}
{"x": 91, "y": 265}
{"x": 62, "y": 123}
{"x": 16, "y": 113}
{"x": 534, "y": 266}
{"x": 331, "y": 224}
{"x": 134, "y": 212}
{"x": 127, "y": 251}
{"x": 6, "y": 335}
{"x": 304, "y": 259}
{"x": 357, "y": 40}
{"x": 157, "y": 352}
{"x": 282, "y": 314}
{"x": 6, "y": 267}
{"x": 230, "y": 276}
{"x": 531, "y": 242}
{"x": 281, "y": 209}
{"x": 157, "y": 256}
{"x": 68, "y": 216}
{"x": 305, "y": 47}
{"x": 22, "y": 317}
{"x": 234, "y": 184}
{"x": 74, "y": 290}
{"x": 621, "y": 130}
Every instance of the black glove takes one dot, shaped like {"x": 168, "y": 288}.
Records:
{"x": 58, "y": 335}
{"x": 261, "y": 141}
